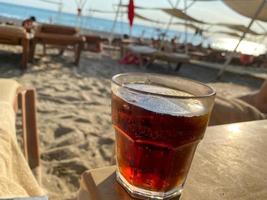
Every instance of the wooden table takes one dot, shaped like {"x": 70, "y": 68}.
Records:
{"x": 229, "y": 164}
{"x": 152, "y": 54}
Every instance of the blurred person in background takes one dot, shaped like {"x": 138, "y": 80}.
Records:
{"x": 252, "y": 106}
{"x": 29, "y": 24}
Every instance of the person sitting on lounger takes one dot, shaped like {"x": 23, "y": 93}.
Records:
{"x": 252, "y": 106}
{"x": 258, "y": 98}
{"x": 29, "y": 24}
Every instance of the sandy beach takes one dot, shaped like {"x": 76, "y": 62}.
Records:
{"x": 74, "y": 109}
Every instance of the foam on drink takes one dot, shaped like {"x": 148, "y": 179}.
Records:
{"x": 159, "y": 104}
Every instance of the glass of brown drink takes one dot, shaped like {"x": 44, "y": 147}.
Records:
{"x": 159, "y": 121}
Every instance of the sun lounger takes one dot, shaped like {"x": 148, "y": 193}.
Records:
{"x": 16, "y": 178}
{"x": 198, "y": 55}
{"x": 58, "y": 36}
{"x": 14, "y": 95}
{"x": 92, "y": 43}
{"x": 176, "y": 58}
{"x": 128, "y": 42}
{"x": 142, "y": 50}
{"x": 152, "y": 54}
{"x": 14, "y": 35}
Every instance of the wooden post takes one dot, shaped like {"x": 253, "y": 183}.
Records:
{"x": 78, "y": 50}
{"x": 25, "y": 52}
{"x": 30, "y": 134}
{"x": 32, "y": 50}
{"x": 33, "y": 138}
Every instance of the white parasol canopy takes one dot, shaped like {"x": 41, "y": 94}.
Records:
{"x": 248, "y": 8}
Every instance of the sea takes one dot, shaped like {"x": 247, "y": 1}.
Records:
{"x": 106, "y": 25}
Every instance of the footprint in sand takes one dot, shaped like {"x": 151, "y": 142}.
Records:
{"x": 67, "y": 166}
{"x": 83, "y": 120}
{"x": 85, "y": 87}
{"x": 85, "y": 96}
{"x": 46, "y": 107}
{"x": 61, "y": 153}
{"x": 98, "y": 119}
{"x": 108, "y": 141}
{"x": 63, "y": 130}
{"x": 93, "y": 103}
{"x": 68, "y": 116}
{"x": 53, "y": 183}
{"x": 95, "y": 83}
{"x": 60, "y": 88}
{"x": 69, "y": 171}
{"x": 107, "y": 152}
{"x": 70, "y": 98}
{"x": 69, "y": 139}
{"x": 106, "y": 148}
{"x": 56, "y": 100}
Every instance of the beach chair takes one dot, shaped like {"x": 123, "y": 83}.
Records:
{"x": 20, "y": 98}
{"x": 14, "y": 35}
{"x": 171, "y": 58}
{"x": 198, "y": 55}
{"x": 127, "y": 42}
{"x": 92, "y": 43}
{"x": 57, "y": 36}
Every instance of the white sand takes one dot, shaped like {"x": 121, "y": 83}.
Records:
{"x": 74, "y": 114}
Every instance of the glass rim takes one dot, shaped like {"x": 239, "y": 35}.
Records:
{"x": 210, "y": 94}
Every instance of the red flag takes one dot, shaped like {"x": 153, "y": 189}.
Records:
{"x": 131, "y": 12}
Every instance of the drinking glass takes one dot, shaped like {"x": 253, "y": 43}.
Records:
{"x": 159, "y": 121}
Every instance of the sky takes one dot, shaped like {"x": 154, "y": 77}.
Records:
{"x": 214, "y": 11}
{"x": 211, "y": 11}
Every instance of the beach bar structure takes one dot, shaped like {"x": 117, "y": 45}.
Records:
{"x": 253, "y": 9}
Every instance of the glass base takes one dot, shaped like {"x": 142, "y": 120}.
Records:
{"x": 147, "y": 194}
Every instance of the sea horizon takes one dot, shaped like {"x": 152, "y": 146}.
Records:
{"x": 21, "y": 12}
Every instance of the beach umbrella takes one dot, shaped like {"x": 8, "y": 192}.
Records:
{"x": 171, "y": 18}
{"x": 80, "y": 5}
{"x": 232, "y": 34}
{"x": 257, "y": 11}
{"x": 112, "y": 31}
{"x": 180, "y": 14}
{"x": 102, "y": 11}
{"x": 248, "y": 8}
{"x": 136, "y": 15}
{"x": 131, "y": 12}
{"x": 238, "y": 27}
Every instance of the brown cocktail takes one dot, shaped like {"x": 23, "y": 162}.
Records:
{"x": 158, "y": 126}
